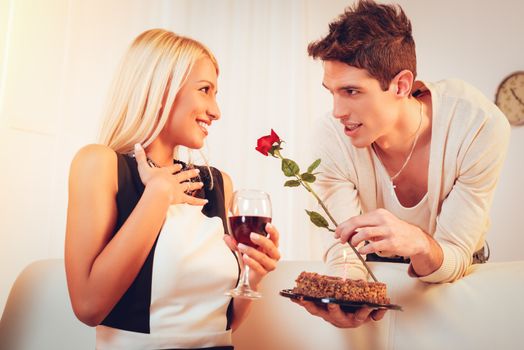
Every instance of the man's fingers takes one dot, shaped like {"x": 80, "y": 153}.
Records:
{"x": 346, "y": 231}
{"x": 369, "y": 233}
{"x": 336, "y": 316}
{"x": 382, "y": 246}
{"x": 362, "y": 314}
{"x": 377, "y": 315}
{"x": 348, "y": 228}
{"x": 339, "y": 318}
{"x": 313, "y": 309}
{"x": 336, "y": 313}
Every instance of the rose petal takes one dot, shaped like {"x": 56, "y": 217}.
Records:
{"x": 274, "y": 137}
{"x": 261, "y": 150}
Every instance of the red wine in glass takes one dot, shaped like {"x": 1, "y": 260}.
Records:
{"x": 242, "y": 226}
{"x": 250, "y": 211}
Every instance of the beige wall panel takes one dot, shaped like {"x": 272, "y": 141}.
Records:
{"x": 34, "y": 75}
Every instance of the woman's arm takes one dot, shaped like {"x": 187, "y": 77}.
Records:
{"x": 100, "y": 268}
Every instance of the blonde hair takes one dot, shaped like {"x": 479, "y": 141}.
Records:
{"x": 144, "y": 89}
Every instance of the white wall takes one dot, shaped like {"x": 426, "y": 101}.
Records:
{"x": 57, "y": 58}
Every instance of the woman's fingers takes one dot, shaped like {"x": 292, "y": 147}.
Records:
{"x": 186, "y": 175}
{"x": 256, "y": 266}
{"x": 230, "y": 242}
{"x": 140, "y": 157}
{"x": 258, "y": 260}
{"x": 265, "y": 245}
{"x": 140, "y": 154}
{"x": 180, "y": 184}
{"x": 173, "y": 168}
{"x": 192, "y": 186}
{"x": 266, "y": 252}
{"x": 274, "y": 235}
{"x": 193, "y": 200}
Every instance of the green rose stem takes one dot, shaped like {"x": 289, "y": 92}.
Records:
{"x": 291, "y": 169}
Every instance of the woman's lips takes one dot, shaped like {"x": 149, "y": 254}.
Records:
{"x": 203, "y": 127}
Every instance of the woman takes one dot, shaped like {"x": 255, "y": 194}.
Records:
{"x": 145, "y": 259}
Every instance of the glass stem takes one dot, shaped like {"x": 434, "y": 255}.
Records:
{"x": 245, "y": 277}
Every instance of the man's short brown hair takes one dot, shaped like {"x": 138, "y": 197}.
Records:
{"x": 371, "y": 36}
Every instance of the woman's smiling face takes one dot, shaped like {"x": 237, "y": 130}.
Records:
{"x": 194, "y": 108}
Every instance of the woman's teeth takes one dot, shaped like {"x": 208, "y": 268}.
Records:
{"x": 203, "y": 125}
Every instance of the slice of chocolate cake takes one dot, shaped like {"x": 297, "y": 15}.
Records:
{"x": 320, "y": 286}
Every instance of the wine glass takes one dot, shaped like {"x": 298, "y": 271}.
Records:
{"x": 250, "y": 212}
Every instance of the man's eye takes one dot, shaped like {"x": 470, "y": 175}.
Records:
{"x": 351, "y": 91}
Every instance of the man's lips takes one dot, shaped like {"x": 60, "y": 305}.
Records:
{"x": 351, "y": 126}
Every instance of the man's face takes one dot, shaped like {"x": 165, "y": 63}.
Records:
{"x": 366, "y": 112}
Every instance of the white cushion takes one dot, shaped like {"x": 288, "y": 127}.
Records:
{"x": 38, "y": 313}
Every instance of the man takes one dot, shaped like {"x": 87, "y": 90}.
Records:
{"x": 409, "y": 168}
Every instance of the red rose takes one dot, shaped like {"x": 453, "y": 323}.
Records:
{"x": 270, "y": 144}
{"x": 265, "y": 143}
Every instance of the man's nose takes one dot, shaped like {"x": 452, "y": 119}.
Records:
{"x": 339, "y": 109}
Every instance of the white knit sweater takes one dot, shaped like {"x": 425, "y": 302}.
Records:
{"x": 469, "y": 141}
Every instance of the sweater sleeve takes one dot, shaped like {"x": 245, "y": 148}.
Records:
{"x": 336, "y": 187}
{"x": 464, "y": 216}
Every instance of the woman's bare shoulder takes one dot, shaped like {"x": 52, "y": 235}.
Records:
{"x": 94, "y": 154}
{"x": 94, "y": 162}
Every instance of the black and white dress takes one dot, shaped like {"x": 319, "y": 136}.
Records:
{"x": 177, "y": 300}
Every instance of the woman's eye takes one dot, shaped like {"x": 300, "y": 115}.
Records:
{"x": 205, "y": 89}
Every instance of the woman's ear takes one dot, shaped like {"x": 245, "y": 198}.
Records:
{"x": 402, "y": 83}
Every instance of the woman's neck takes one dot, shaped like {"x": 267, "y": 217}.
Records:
{"x": 160, "y": 153}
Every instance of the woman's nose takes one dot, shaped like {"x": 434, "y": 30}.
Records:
{"x": 214, "y": 111}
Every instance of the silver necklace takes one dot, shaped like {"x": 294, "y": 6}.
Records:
{"x": 394, "y": 177}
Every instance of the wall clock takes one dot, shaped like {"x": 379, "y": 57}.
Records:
{"x": 510, "y": 97}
